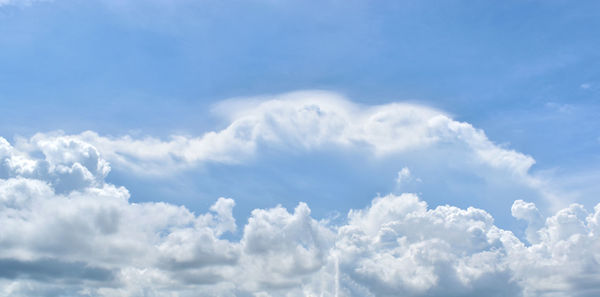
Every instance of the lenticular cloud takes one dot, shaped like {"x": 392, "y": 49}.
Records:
{"x": 65, "y": 231}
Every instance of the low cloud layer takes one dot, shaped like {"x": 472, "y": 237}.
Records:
{"x": 65, "y": 231}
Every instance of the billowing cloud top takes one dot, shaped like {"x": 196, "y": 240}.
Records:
{"x": 308, "y": 120}
{"x": 65, "y": 231}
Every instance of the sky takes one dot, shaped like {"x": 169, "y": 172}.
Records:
{"x": 299, "y": 148}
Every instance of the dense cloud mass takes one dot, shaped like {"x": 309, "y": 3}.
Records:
{"x": 65, "y": 231}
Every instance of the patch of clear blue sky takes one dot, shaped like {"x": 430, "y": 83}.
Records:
{"x": 527, "y": 72}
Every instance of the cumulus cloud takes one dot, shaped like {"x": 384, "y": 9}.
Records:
{"x": 528, "y": 212}
{"x": 85, "y": 238}
{"x": 399, "y": 247}
{"x": 68, "y": 164}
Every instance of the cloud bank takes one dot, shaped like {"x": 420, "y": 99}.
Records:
{"x": 65, "y": 231}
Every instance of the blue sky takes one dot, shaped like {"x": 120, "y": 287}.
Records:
{"x": 525, "y": 73}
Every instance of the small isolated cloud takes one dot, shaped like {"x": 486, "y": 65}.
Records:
{"x": 585, "y": 86}
{"x": 562, "y": 108}
{"x": 85, "y": 238}
{"x": 403, "y": 176}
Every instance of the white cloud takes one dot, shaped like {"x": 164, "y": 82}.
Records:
{"x": 88, "y": 239}
{"x": 313, "y": 121}
{"x": 399, "y": 247}
{"x": 528, "y": 212}
{"x": 306, "y": 120}
{"x": 442, "y": 151}
{"x": 403, "y": 175}
{"x": 68, "y": 163}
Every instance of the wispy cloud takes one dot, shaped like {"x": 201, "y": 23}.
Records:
{"x": 20, "y": 2}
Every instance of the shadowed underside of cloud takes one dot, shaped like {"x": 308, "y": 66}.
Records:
{"x": 51, "y": 270}
{"x": 65, "y": 231}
